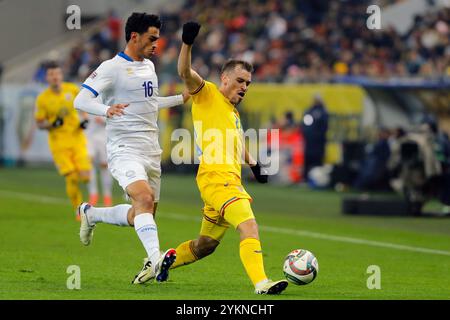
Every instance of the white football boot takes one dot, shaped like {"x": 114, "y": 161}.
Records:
{"x": 160, "y": 271}
{"x": 145, "y": 274}
{"x": 86, "y": 229}
{"x": 271, "y": 287}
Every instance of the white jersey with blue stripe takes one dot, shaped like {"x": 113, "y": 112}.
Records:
{"x": 122, "y": 80}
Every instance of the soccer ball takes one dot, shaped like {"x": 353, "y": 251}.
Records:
{"x": 300, "y": 267}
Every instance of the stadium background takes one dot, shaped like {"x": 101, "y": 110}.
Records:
{"x": 369, "y": 80}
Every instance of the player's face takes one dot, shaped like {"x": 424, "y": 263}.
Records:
{"x": 146, "y": 42}
{"x": 235, "y": 84}
{"x": 54, "y": 77}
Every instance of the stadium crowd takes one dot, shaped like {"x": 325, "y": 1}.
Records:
{"x": 287, "y": 41}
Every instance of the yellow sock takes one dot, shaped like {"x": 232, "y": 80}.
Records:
{"x": 185, "y": 255}
{"x": 251, "y": 257}
{"x": 73, "y": 190}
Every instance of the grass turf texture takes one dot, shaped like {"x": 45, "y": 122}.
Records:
{"x": 39, "y": 240}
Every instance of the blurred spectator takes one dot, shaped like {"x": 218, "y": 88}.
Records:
{"x": 395, "y": 141}
{"x": 175, "y": 113}
{"x": 420, "y": 163}
{"x": 373, "y": 174}
{"x": 443, "y": 155}
{"x": 291, "y": 150}
{"x": 115, "y": 31}
{"x": 314, "y": 129}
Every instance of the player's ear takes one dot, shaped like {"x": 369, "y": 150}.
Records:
{"x": 224, "y": 78}
{"x": 134, "y": 36}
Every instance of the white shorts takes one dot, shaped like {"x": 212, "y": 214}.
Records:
{"x": 97, "y": 148}
{"x": 127, "y": 169}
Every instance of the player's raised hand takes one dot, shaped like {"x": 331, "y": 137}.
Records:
{"x": 190, "y": 32}
{"x": 116, "y": 109}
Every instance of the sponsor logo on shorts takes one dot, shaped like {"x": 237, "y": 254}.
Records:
{"x": 130, "y": 174}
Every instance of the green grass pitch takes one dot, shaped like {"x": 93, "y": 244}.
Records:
{"x": 39, "y": 240}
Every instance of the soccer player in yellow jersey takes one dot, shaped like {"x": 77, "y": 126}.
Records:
{"x": 219, "y": 175}
{"x": 55, "y": 112}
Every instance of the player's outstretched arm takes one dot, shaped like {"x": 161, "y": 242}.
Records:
{"x": 172, "y": 101}
{"x": 85, "y": 101}
{"x": 191, "y": 78}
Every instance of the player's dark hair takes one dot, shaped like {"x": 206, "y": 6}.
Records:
{"x": 232, "y": 63}
{"x": 51, "y": 65}
{"x": 140, "y": 22}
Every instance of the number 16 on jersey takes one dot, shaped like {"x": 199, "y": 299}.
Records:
{"x": 148, "y": 88}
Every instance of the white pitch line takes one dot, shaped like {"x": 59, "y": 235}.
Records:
{"x": 34, "y": 197}
{"x": 324, "y": 236}
{"x": 293, "y": 232}
{"x": 372, "y": 243}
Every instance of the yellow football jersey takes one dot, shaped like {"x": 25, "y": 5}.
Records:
{"x": 51, "y": 105}
{"x": 218, "y": 131}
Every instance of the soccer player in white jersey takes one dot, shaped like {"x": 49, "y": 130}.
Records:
{"x": 96, "y": 136}
{"x": 128, "y": 86}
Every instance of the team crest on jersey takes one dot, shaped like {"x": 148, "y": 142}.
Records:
{"x": 63, "y": 111}
{"x": 129, "y": 71}
{"x": 68, "y": 96}
{"x": 93, "y": 75}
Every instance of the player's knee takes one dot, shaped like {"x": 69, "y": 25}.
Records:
{"x": 248, "y": 229}
{"x": 72, "y": 177}
{"x": 206, "y": 246}
{"x": 145, "y": 200}
{"x": 84, "y": 176}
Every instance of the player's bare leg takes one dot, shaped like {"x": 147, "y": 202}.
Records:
{"x": 84, "y": 176}
{"x": 119, "y": 215}
{"x": 140, "y": 215}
